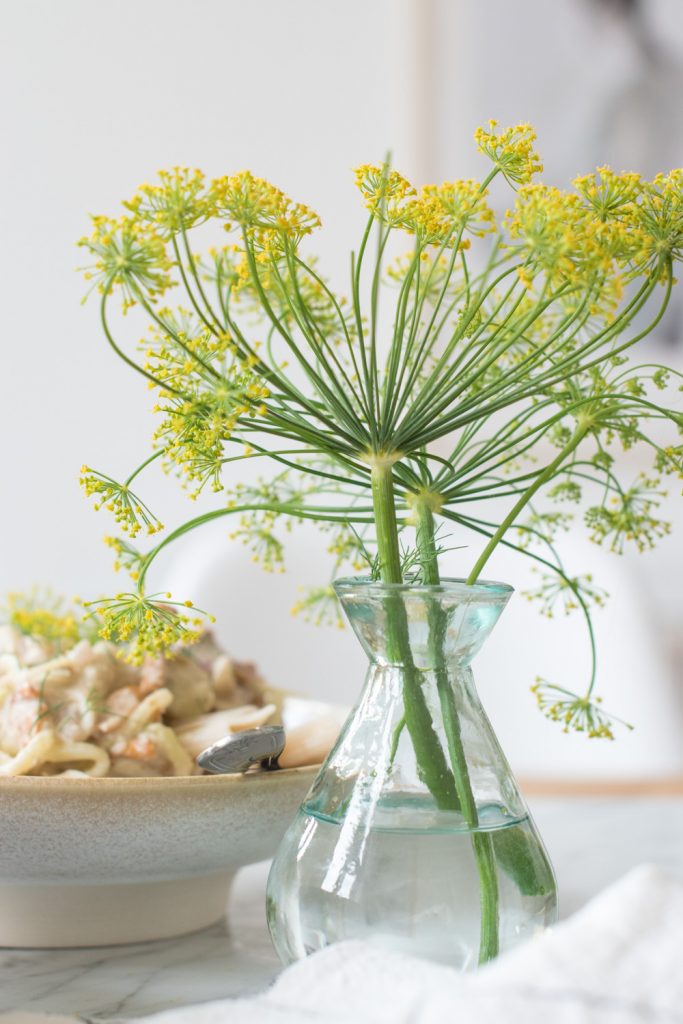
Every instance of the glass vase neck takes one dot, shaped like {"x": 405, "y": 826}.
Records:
{"x": 457, "y": 614}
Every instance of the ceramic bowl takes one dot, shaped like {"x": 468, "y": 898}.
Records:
{"x": 94, "y": 862}
{"x": 91, "y": 862}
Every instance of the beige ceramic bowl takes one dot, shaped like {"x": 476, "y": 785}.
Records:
{"x": 88, "y": 862}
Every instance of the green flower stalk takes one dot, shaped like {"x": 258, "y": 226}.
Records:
{"x": 506, "y": 345}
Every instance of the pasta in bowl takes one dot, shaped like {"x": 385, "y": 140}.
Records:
{"x": 86, "y": 712}
{"x": 110, "y": 832}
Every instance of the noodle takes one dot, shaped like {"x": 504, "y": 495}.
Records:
{"x": 87, "y": 713}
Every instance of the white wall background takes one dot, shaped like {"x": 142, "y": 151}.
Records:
{"x": 95, "y": 97}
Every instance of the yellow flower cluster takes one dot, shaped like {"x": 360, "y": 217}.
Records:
{"x": 151, "y": 625}
{"x": 511, "y": 151}
{"x": 566, "y": 592}
{"x": 177, "y": 203}
{"x": 609, "y": 194}
{"x": 256, "y": 533}
{"x": 319, "y": 607}
{"x": 435, "y": 272}
{"x": 461, "y": 203}
{"x": 614, "y": 227}
{"x": 130, "y": 512}
{"x": 659, "y": 219}
{"x": 220, "y": 268}
{"x": 562, "y": 236}
{"x": 550, "y": 223}
{"x": 438, "y": 215}
{"x": 125, "y": 556}
{"x": 195, "y": 428}
{"x": 43, "y": 616}
{"x": 264, "y": 505}
{"x": 385, "y": 192}
{"x": 578, "y": 713}
{"x": 288, "y": 293}
{"x": 180, "y": 348}
{"x": 629, "y": 518}
{"x": 130, "y": 252}
{"x": 130, "y": 255}
{"x": 264, "y": 211}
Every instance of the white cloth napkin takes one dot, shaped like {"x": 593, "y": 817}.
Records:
{"x": 617, "y": 961}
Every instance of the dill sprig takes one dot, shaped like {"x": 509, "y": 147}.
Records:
{"x": 44, "y": 615}
{"x": 143, "y": 625}
{"x": 499, "y": 377}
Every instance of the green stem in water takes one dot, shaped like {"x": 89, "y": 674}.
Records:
{"x": 481, "y": 841}
{"x": 432, "y": 765}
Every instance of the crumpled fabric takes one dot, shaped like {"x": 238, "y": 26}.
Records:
{"x": 617, "y": 961}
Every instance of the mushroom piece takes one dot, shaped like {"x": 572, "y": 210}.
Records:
{"x": 310, "y": 742}
{"x": 188, "y": 681}
{"x": 204, "y": 731}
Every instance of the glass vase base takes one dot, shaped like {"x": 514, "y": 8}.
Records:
{"x": 419, "y": 891}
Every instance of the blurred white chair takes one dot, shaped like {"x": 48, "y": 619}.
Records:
{"x": 253, "y": 609}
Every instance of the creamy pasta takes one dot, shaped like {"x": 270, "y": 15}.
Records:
{"x": 87, "y": 712}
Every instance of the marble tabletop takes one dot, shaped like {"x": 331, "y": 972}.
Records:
{"x": 592, "y": 842}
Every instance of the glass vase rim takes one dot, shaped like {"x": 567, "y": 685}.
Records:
{"x": 452, "y": 586}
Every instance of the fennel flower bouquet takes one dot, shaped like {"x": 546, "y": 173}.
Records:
{"x": 478, "y": 362}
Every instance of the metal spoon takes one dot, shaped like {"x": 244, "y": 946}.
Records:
{"x": 240, "y": 750}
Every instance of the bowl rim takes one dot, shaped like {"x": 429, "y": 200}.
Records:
{"x": 29, "y": 782}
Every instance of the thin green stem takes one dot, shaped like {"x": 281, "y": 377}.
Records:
{"x": 426, "y": 542}
{"x": 526, "y": 497}
{"x": 198, "y": 284}
{"x": 431, "y": 763}
{"x": 485, "y": 529}
{"x": 122, "y": 355}
{"x": 143, "y": 465}
{"x": 481, "y": 841}
{"x": 317, "y": 514}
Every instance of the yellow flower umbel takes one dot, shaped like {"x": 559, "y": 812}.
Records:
{"x": 629, "y": 517}
{"x": 580, "y": 714}
{"x": 146, "y": 625}
{"x": 196, "y": 428}
{"x": 461, "y": 205}
{"x": 438, "y": 215}
{"x": 126, "y": 556}
{"x": 658, "y": 218}
{"x": 129, "y": 511}
{"x": 609, "y": 195}
{"x": 44, "y": 616}
{"x": 385, "y": 192}
{"x": 130, "y": 255}
{"x": 268, "y": 215}
{"x": 177, "y": 203}
{"x": 511, "y": 151}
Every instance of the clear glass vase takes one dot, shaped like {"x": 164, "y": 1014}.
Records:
{"x": 414, "y": 834}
